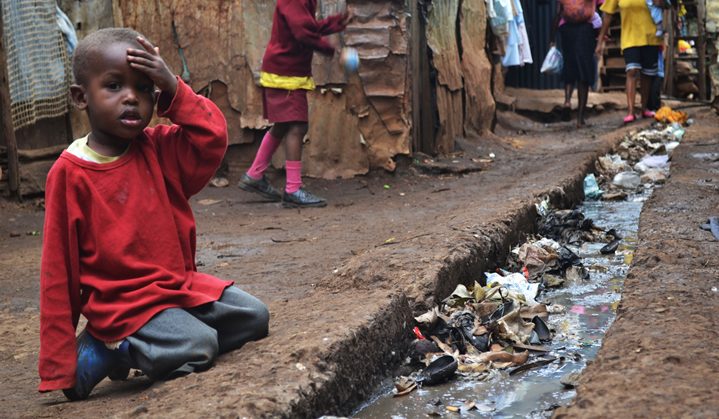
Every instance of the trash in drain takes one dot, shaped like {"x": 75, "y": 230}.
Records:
{"x": 514, "y": 341}
{"x": 498, "y": 324}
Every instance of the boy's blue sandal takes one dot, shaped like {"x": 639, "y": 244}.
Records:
{"x": 302, "y": 198}
{"x": 94, "y": 362}
{"x": 259, "y": 186}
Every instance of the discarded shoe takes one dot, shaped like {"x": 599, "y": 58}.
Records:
{"x": 302, "y": 198}
{"x": 259, "y": 186}
{"x": 541, "y": 328}
{"x": 611, "y": 247}
{"x": 439, "y": 371}
{"x": 94, "y": 363}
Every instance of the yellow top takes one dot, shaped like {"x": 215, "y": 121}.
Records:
{"x": 276, "y": 81}
{"x": 80, "y": 149}
{"x": 638, "y": 28}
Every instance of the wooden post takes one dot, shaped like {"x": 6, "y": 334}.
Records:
{"x": 669, "y": 61}
{"x": 701, "y": 50}
{"x": 8, "y": 130}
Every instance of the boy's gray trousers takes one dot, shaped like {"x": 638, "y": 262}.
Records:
{"x": 178, "y": 341}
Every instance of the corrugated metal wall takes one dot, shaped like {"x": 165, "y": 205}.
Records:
{"x": 538, "y": 17}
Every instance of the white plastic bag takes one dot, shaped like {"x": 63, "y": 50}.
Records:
{"x": 552, "y": 62}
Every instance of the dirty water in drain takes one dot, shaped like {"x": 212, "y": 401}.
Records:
{"x": 590, "y": 309}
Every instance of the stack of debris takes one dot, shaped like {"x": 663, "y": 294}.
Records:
{"x": 641, "y": 159}
{"x": 481, "y": 329}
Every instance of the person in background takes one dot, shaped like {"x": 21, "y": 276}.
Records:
{"x": 286, "y": 76}
{"x": 640, "y": 46}
{"x": 577, "y": 22}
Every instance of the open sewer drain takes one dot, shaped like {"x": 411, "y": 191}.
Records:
{"x": 580, "y": 310}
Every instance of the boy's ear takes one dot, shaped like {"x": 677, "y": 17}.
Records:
{"x": 78, "y": 96}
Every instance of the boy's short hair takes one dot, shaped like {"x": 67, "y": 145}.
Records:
{"x": 82, "y": 57}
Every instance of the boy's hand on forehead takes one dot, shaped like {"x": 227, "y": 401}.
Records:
{"x": 149, "y": 61}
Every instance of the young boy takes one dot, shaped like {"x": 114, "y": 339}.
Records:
{"x": 286, "y": 76}
{"x": 119, "y": 236}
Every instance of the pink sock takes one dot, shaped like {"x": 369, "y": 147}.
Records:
{"x": 264, "y": 156}
{"x": 293, "y": 169}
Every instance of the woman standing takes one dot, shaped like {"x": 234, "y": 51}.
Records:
{"x": 640, "y": 46}
{"x": 577, "y": 21}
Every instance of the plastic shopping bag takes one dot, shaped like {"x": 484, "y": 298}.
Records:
{"x": 552, "y": 62}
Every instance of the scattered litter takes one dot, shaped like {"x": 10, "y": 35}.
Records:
{"x": 591, "y": 187}
{"x": 666, "y": 114}
{"x": 219, "y": 182}
{"x": 627, "y": 180}
{"x": 570, "y": 380}
{"x": 207, "y": 202}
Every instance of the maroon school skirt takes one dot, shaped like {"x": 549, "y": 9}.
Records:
{"x": 279, "y": 105}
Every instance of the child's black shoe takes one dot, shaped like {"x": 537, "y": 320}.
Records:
{"x": 94, "y": 363}
{"x": 302, "y": 198}
{"x": 259, "y": 186}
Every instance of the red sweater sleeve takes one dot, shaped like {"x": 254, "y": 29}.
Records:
{"x": 304, "y": 27}
{"x": 190, "y": 151}
{"x": 332, "y": 24}
{"x": 59, "y": 285}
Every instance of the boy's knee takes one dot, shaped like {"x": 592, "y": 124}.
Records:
{"x": 205, "y": 343}
{"x": 262, "y": 321}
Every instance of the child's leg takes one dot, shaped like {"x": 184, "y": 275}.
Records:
{"x": 254, "y": 180}
{"x": 269, "y": 144}
{"x": 237, "y": 316}
{"x": 172, "y": 344}
{"x": 293, "y": 150}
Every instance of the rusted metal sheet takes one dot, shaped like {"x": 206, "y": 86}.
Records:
{"x": 377, "y": 98}
{"x": 343, "y": 155}
{"x": 476, "y": 68}
{"x": 223, "y": 43}
{"x": 442, "y": 40}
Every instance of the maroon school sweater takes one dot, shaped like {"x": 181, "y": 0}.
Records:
{"x": 296, "y": 34}
{"x": 119, "y": 237}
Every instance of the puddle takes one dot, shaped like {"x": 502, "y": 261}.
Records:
{"x": 591, "y": 307}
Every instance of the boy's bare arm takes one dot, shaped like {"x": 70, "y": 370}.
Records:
{"x": 151, "y": 63}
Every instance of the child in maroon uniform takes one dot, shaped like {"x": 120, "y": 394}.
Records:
{"x": 286, "y": 77}
{"x": 119, "y": 235}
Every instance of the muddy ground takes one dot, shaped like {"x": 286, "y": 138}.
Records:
{"x": 659, "y": 358}
{"x": 342, "y": 281}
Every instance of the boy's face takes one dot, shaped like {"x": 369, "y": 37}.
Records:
{"x": 119, "y": 100}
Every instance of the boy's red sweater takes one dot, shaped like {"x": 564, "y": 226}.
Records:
{"x": 296, "y": 34}
{"x": 119, "y": 238}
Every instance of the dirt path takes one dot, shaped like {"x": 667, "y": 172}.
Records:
{"x": 659, "y": 358}
{"x": 340, "y": 281}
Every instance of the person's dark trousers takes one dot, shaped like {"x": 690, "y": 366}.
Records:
{"x": 655, "y": 94}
